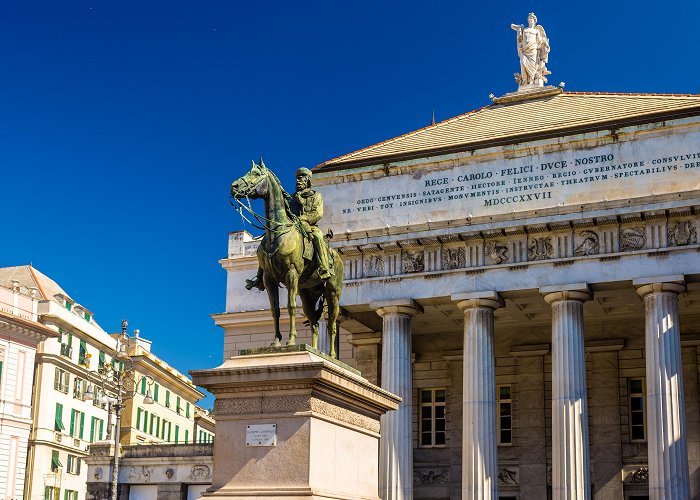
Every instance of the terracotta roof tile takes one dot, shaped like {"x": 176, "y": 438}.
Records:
{"x": 499, "y": 122}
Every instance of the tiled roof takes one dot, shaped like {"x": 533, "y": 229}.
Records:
{"x": 28, "y": 278}
{"x": 513, "y": 121}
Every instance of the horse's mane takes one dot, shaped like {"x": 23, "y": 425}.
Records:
{"x": 285, "y": 195}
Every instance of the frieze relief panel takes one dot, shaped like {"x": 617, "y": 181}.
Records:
{"x": 595, "y": 238}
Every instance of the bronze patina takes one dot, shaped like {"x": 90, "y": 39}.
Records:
{"x": 293, "y": 251}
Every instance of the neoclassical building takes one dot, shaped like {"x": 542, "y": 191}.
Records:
{"x": 526, "y": 276}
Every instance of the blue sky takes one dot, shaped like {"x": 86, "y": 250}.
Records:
{"x": 122, "y": 124}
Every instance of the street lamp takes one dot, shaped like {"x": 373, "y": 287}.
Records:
{"x": 123, "y": 385}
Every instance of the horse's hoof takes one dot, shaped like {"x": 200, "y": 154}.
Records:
{"x": 291, "y": 342}
{"x": 276, "y": 343}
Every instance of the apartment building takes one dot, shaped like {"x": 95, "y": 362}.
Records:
{"x": 20, "y": 334}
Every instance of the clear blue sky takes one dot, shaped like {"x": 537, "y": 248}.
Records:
{"x": 122, "y": 124}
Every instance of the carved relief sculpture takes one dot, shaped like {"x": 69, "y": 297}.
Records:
{"x": 641, "y": 475}
{"x": 98, "y": 473}
{"x": 632, "y": 238}
{"x": 453, "y": 258}
{"x": 533, "y": 50}
{"x": 431, "y": 476}
{"x": 540, "y": 248}
{"x": 169, "y": 472}
{"x": 199, "y": 472}
{"x": 496, "y": 251}
{"x": 413, "y": 261}
{"x": 374, "y": 266}
{"x": 590, "y": 244}
{"x": 507, "y": 476}
{"x": 682, "y": 233}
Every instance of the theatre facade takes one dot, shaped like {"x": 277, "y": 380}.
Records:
{"x": 526, "y": 277}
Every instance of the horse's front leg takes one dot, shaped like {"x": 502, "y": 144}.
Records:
{"x": 273, "y": 295}
{"x": 292, "y": 288}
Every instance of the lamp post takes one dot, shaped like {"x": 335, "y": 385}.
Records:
{"x": 123, "y": 385}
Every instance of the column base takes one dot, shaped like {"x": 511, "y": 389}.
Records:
{"x": 325, "y": 439}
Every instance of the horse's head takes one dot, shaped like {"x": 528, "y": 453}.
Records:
{"x": 252, "y": 184}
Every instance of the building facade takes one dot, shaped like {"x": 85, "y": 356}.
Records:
{"x": 526, "y": 277}
{"x": 20, "y": 334}
{"x": 171, "y": 418}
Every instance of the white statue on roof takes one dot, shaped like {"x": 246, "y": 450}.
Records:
{"x": 533, "y": 49}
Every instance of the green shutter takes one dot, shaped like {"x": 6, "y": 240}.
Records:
{"x": 102, "y": 423}
{"x": 177, "y": 407}
{"x": 0, "y": 371}
{"x": 72, "y": 423}
{"x": 142, "y": 391}
{"x": 188, "y": 410}
{"x": 82, "y": 424}
{"x": 82, "y": 353}
{"x": 58, "y": 422}
{"x": 187, "y": 436}
{"x": 102, "y": 361}
{"x": 177, "y": 434}
{"x": 138, "y": 417}
{"x": 155, "y": 393}
{"x": 92, "y": 430}
{"x": 70, "y": 339}
{"x": 170, "y": 426}
{"x": 55, "y": 462}
{"x": 167, "y": 399}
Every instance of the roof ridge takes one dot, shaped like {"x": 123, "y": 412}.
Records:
{"x": 632, "y": 94}
{"x": 41, "y": 290}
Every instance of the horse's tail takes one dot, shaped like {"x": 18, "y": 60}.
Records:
{"x": 319, "y": 308}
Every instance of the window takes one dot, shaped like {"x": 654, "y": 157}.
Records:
{"x": 145, "y": 421}
{"x": 55, "y": 462}
{"x": 432, "y": 417}
{"x": 97, "y": 400}
{"x": 102, "y": 363}
{"x": 70, "y": 495}
{"x": 155, "y": 393}
{"x": 79, "y": 386}
{"x": 178, "y": 406}
{"x": 636, "y": 397}
{"x": 187, "y": 436}
{"x": 142, "y": 389}
{"x": 187, "y": 410}
{"x": 83, "y": 358}
{"x": 58, "y": 420}
{"x": 77, "y": 424}
{"x": 51, "y": 493}
{"x": 61, "y": 381}
{"x": 96, "y": 426}
{"x": 177, "y": 434}
{"x": 73, "y": 465}
{"x": 504, "y": 416}
{"x": 167, "y": 399}
{"x": 139, "y": 415}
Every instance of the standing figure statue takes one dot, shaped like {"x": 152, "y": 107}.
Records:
{"x": 293, "y": 252}
{"x": 533, "y": 50}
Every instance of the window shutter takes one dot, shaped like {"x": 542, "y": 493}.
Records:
{"x": 177, "y": 434}
{"x": 102, "y": 423}
{"x": 72, "y": 423}
{"x": 82, "y": 424}
{"x": 155, "y": 393}
{"x": 143, "y": 386}
{"x": 58, "y": 424}
{"x": 138, "y": 417}
{"x": 92, "y": 430}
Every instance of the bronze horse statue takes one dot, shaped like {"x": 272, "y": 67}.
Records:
{"x": 281, "y": 257}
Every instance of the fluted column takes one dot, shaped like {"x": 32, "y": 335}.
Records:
{"x": 479, "y": 443}
{"x": 395, "y": 443}
{"x": 571, "y": 477}
{"x": 668, "y": 451}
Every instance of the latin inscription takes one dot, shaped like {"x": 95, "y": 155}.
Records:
{"x": 508, "y": 186}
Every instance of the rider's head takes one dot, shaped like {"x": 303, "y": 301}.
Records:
{"x": 303, "y": 178}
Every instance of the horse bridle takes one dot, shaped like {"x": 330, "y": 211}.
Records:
{"x": 249, "y": 208}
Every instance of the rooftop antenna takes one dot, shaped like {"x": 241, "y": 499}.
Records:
{"x": 433, "y": 122}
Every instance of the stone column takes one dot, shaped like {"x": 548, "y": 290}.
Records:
{"x": 324, "y": 341}
{"x": 479, "y": 443}
{"x": 396, "y": 443}
{"x": 668, "y": 452}
{"x": 571, "y": 477}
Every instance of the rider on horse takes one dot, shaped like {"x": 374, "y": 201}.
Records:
{"x": 307, "y": 205}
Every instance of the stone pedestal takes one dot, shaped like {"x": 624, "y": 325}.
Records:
{"x": 326, "y": 419}
{"x": 668, "y": 450}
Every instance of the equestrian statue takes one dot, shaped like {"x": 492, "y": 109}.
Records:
{"x": 293, "y": 252}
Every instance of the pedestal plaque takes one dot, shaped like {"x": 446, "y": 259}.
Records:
{"x": 293, "y": 423}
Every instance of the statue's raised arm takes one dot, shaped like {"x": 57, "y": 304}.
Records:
{"x": 533, "y": 50}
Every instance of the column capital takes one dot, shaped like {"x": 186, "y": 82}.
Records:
{"x": 674, "y": 283}
{"x": 396, "y": 306}
{"x": 471, "y": 300}
{"x": 574, "y": 291}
